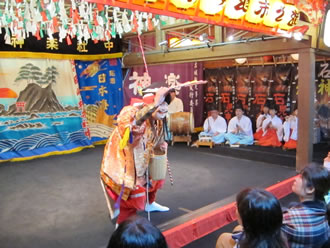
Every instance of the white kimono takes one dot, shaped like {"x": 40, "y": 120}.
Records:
{"x": 244, "y": 137}
{"x": 215, "y": 126}
{"x": 211, "y": 126}
{"x": 277, "y": 123}
{"x": 244, "y": 123}
{"x": 291, "y": 124}
{"x": 260, "y": 119}
{"x": 175, "y": 106}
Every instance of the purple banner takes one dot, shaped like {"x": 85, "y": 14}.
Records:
{"x": 170, "y": 75}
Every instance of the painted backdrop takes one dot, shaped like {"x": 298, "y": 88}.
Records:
{"x": 100, "y": 84}
{"x": 40, "y": 109}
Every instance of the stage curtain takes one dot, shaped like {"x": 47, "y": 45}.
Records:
{"x": 40, "y": 109}
{"x": 100, "y": 84}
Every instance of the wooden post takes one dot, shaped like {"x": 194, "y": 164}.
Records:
{"x": 160, "y": 36}
{"x": 306, "y": 108}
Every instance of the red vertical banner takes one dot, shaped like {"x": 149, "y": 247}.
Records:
{"x": 227, "y": 78}
{"x": 279, "y": 90}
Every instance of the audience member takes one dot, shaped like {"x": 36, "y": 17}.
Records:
{"x": 260, "y": 215}
{"x": 306, "y": 224}
{"x": 137, "y": 232}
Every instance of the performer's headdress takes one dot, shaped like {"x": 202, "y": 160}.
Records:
{"x": 153, "y": 89}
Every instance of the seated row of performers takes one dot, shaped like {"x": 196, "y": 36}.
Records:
{"x": 270, "y": 130}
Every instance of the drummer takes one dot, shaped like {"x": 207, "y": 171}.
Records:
{"x": 215, "y": 126}
{"x": 176, "y": 104}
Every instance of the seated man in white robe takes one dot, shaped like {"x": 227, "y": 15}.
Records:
{"x": 239, "y": 128}
{"x": 215, "y": 126}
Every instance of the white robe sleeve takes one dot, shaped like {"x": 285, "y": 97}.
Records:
{"x": 232, "y": 125}
{"x": 206, "y": 125}
{"x": 247, "y": 127}
{"x": 221, "y": 125}
{"x": 286, "y": 129}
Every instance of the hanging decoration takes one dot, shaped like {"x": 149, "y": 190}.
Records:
{"x": 81, "y": 20}
{"x": 274, "y": 17}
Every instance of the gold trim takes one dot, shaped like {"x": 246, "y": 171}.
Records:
{"x": 77, "y": 149}
{"x": 59, "y": 56}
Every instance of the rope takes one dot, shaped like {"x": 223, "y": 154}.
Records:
{"x": 142, "y": 51}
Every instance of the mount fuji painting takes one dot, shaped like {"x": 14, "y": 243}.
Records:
{"x": 40, "y": 108}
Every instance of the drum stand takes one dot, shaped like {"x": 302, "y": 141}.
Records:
{"x": 181, "y": 138}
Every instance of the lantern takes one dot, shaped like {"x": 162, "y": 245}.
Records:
{"x": 236, "y": 9}
{"x": 211, "y": 7}
{"x": 290, "y": 18}
{"x": 183, "y": 4}
{"x": 258, "y": 9}
{"x": 275, "y": 13}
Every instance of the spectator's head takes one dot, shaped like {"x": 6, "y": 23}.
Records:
{"x": 137, "y": 232}
{"x": 313, "y": 183}
{"x": 260, "y": 214}
{"x": 265, "y": 108}
{"x": 172, "y": 94}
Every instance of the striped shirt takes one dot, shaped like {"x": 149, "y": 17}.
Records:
{"x": 306, "y": 225}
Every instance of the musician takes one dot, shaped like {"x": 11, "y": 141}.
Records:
{"x": 239, "y": 128}
{"x": 127, "y": 154}
{"x": 176, "y": 104}
{"x": 272, "y": 129}
{"x": 290, "y": 128}
{"x": 263, "y": 116}
{"x": 215, "y": 126}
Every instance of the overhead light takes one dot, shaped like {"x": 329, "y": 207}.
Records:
{"x": 297, "y": 36}
{"x": 295, "y": 56}
{"x": 230, "y": 38}
{"x": 240, "y": 60}
{"x": 326, "y": 35}
{"x": 163, "y": 43}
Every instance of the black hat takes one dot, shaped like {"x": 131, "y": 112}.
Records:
{"x": 272, "y": 105}
{"x": 268, "y": 103}
{"x": 213, "y": 107}
{"x": 239, "y": 105}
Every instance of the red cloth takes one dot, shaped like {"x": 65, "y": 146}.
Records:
{"x": 258, "y": 134}
{"x": 136, "y": 201}
{"x": 291, "y": 144}
{"x": 270, "y": 139}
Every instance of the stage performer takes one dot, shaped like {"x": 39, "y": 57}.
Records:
{"x": 290, "y": 128}
{"x": 272, "y": 129}
{"x": 239, "y": 128}
{"x": 176, "y": 104}
{"x": 126, "y": 157}
{"x": 263, "y": 116}
{"x": 215, "y": 126}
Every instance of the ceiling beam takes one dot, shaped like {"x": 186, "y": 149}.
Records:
{"x": 230, "y": 51}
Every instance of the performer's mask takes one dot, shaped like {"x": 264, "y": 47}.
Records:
{"x": 161, "y": 111}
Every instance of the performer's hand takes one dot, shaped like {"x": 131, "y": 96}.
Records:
{"x": 216, "y": 133}
{"x": 160, "y": 95}
{"x": 164, "y": 146}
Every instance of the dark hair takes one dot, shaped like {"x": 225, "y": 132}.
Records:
{"x": 317, "y": 176}
{"x": 137, "y": 232}
{"x": 261, "y": 217}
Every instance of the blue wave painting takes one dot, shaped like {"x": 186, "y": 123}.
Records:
{"x": 23, "y": 136}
